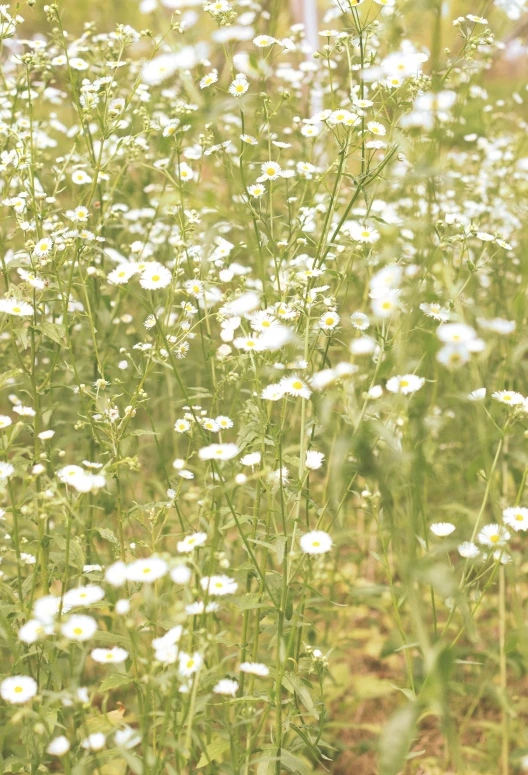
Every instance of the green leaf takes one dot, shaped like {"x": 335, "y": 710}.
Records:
{"x": 247, "y": 602}
{"x": 114, "y": 680}
{"x": 396, "y": 739}
{"x": 266, "y": 762}
{"x": 142, "y": 432}
{"x": 76, "y": 557}
{"x": 110, "y": 639}
{"x": 135, "y": 764}
{"x": 108, "y": 535}
{"x": 5, "y": 376}
{"x": 53, "y": 331}
{"x": 213, "y": 751}
{"x": 280, "y": 547}
{"x": 294, "y": 764}
{"x": 294, "y": 683}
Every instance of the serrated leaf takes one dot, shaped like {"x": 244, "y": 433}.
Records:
{"x": 53, "y": 331}
{"x": 294, "y": 683}
{"x": 213, "y": 751}
{"x": 76, "y": 557}
{"x": 108, "y": 535}
{"x": 114, "y": 680}
{"x": 247, "y": 602}
{"x": 142, "y": 432}
{"x": 295, "y": 764}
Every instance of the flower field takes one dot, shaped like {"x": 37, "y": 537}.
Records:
{"x": 264, "y": 388}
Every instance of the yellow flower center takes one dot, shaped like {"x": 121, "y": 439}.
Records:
{"x": 297, "y": 385}
{"x": 494, "y": 538}
{"x": 18, "y": 689}
{"x": 155, "y": 277}
{"x": 77, "y": 631}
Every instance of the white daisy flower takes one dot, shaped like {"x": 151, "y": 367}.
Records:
{"x": 329, "y": 321}
{"x": 6, "y": 470}
{"x": 468, "y": 550}
{"x": 189, "y": 664}
{"x": 226, "y": 686}
{"x": 58, "y": 746}
{"x": 82, "y": 596}
{"x": 15, "y": 307}
{"x": 209, "y": 79}
{"x": 477, "y": 395}
{"x": 18, "y": 689}
{"x": 270, "y": 170}
{"x": 442, "y": 529}
{"x": 147, "y": 569}
{"x": 255, "y": 668}
{"x": 256, "y": 190}
{"x": 295, "y": 386}
{"x": 316, "y": 542}
{"x": 252, "y": 459}
{"x": 516, "y": 517}
{"x": 155, "y": 276}
{"x": 127, "y": 738}
{"x": 406, "y": 384}
{"x": 80, "y": 177}
{"x": 360, "y": 321}
{"x": 181, "y": 574}
{"x": 509, "y": 397}
{"x": 314, "y": 459}
{"x": 493, "y": 535}
{"x": 363, "y": 233}
{"x": 239, "y": 86}
{"x": 79, "y": 627}
{"x": 115, "y": 655}
{"x": 218, "y": 452}
{"x": 219, "y": 585}
{"x": 94, "y": 742}
{"x": 191, "y": 542}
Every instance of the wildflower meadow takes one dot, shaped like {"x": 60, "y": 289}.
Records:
{"x": 264, "y": 387}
